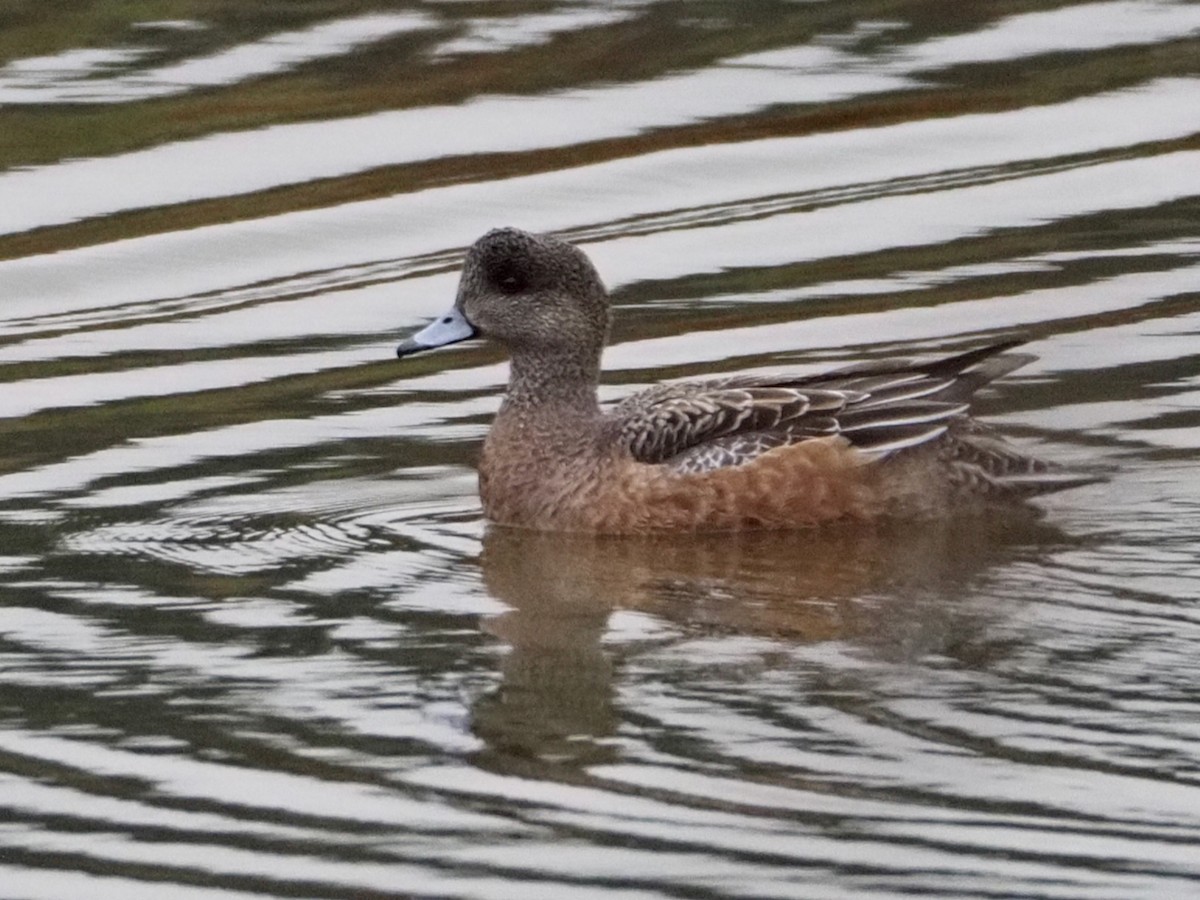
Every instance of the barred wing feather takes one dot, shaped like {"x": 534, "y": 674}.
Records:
{"x": 880, "y": 408}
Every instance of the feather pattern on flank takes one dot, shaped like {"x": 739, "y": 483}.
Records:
{"x": 880, "y": 409}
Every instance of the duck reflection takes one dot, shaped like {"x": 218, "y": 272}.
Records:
{"x": 556, "y": 701}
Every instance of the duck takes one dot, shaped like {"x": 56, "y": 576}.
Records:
{"x": 883, "y": 440}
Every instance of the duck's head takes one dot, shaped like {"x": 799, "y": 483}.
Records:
{"x": 530, "y": 292}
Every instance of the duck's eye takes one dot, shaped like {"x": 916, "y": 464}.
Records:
{"x": 510, "y": 281}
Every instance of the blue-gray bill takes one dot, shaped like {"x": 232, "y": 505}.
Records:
{"x": 448, "y": 329}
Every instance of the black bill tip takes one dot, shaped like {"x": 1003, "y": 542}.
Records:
{"x": 409, "y": 347}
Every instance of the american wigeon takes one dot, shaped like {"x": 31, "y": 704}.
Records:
{"x": 888, "y": 439}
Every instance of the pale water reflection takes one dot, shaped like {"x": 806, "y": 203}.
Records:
{"x": 890, "y": 588}
{"x": 255, "y": 638}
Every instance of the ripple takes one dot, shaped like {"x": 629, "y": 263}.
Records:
{"x": 256, "y": 638}
{"x": 224, "y": 547}
{"x": 88, "y": 76}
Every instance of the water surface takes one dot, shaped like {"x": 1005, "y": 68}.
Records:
{"x": 255, "y": 638}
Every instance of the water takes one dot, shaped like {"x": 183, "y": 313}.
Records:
{"x": 255, "y": 639}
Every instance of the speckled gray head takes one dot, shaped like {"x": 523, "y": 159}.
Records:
{"x": 524, "y": 291}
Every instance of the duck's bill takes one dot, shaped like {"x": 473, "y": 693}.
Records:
{"x": 449, "y": 329}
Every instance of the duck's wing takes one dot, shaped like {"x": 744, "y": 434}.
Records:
{"x": 713, "y": 425}
{"x": 880, "y": 408}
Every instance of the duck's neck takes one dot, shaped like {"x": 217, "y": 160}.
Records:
{"x": 547, "y": 424}
{"x": 552, "y": 384}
